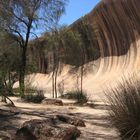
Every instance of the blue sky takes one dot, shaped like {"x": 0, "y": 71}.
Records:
{"x": 76, "y": 9}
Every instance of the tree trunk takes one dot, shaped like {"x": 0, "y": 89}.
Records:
{"x": 82, "y": 67}
{"x": 53, "y": 74}
{"x": 10, "y": 84}
{"x": 55, "y": 82}
{"x": 22, "y": 71}
{"x": 23, "y": 59}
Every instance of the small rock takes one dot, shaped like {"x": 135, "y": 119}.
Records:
{"x": 52, "y": 102}
{"x": 71, "y": 120}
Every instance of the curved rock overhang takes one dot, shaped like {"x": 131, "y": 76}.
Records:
{"x": 116, "y": 27}
{"x": 116, "y": 24}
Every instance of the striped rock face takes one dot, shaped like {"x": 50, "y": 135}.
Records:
{"x": 116, "y": 24}
{"x": 117, "y": 28}
{"x": 118, "y": 34}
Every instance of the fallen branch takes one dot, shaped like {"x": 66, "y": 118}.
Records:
{"x": 6, "y": 97}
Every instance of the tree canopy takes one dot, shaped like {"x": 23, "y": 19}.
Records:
{"x": 24, "y": 18}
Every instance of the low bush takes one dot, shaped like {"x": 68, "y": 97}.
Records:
{"x": 79, "y": 96}
{"x": 35, "y": 97}
{"x": 125, "y": 108}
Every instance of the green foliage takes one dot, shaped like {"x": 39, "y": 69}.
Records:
{"x": 29, "y": 15}
{"x": 86, "y": 30}
{"x": 34, "y": 97}
{"x": 73, "y": 45}
{"x": 32, "y": 94}
{"x": 80, "y": 97}
{"x": 31, "y": 66}
{"x": 67, "y": 43}
{"x": 2, "y": 88}
{"x": 125, "y": 108}
{"x": 9, "y": 53}
{"x": 9, "y": 62}
{"x": 23, "y": 18}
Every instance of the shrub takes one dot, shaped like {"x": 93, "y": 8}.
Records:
{"x": 125, "y": 108}
{"x": 79, "y": 96}
{"x": 35, "y": 97}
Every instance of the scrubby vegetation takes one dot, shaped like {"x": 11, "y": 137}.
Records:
{"x": 32, "y": 94}
{"x": 125, "y": 108}
{"x": 80, "y": 97}
{"x": 34, "y": 97}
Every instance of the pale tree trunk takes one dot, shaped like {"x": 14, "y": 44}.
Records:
{"x": 53, "y": 73}
{"x": 82, "y": 67}
{"x": 56, "y": 74}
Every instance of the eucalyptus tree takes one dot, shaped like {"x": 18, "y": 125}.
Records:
{"x": 28, "y": 18}
{"x": 9, "y": 64}
{"x": 53, "y": 46}
{"x": 65, "y": 45}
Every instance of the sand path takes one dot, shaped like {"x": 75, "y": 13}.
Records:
{"x": 96, "y": 118}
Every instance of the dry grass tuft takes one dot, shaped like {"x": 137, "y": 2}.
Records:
{"x": 125, "y": 108}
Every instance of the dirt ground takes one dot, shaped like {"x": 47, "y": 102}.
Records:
{"x": 97, "y": 127}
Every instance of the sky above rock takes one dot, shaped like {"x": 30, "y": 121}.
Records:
{"x": 76, "y": 9}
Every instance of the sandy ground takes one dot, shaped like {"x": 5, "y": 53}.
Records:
{"x": 96, "y": 118}
{"x": 95, "y": 82}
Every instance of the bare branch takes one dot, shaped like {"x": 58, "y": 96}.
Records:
{"x": 21, "y": 41}
{"x": 34, "y": 35}
{"x": 20, "y": 19}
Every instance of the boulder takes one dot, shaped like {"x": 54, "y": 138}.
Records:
{"x": 71, "y": 120}
{"x": 46, "y": 130}
{"x": 52, "y": 102}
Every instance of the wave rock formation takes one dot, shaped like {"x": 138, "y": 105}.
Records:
{"x": 116, "y": 24}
